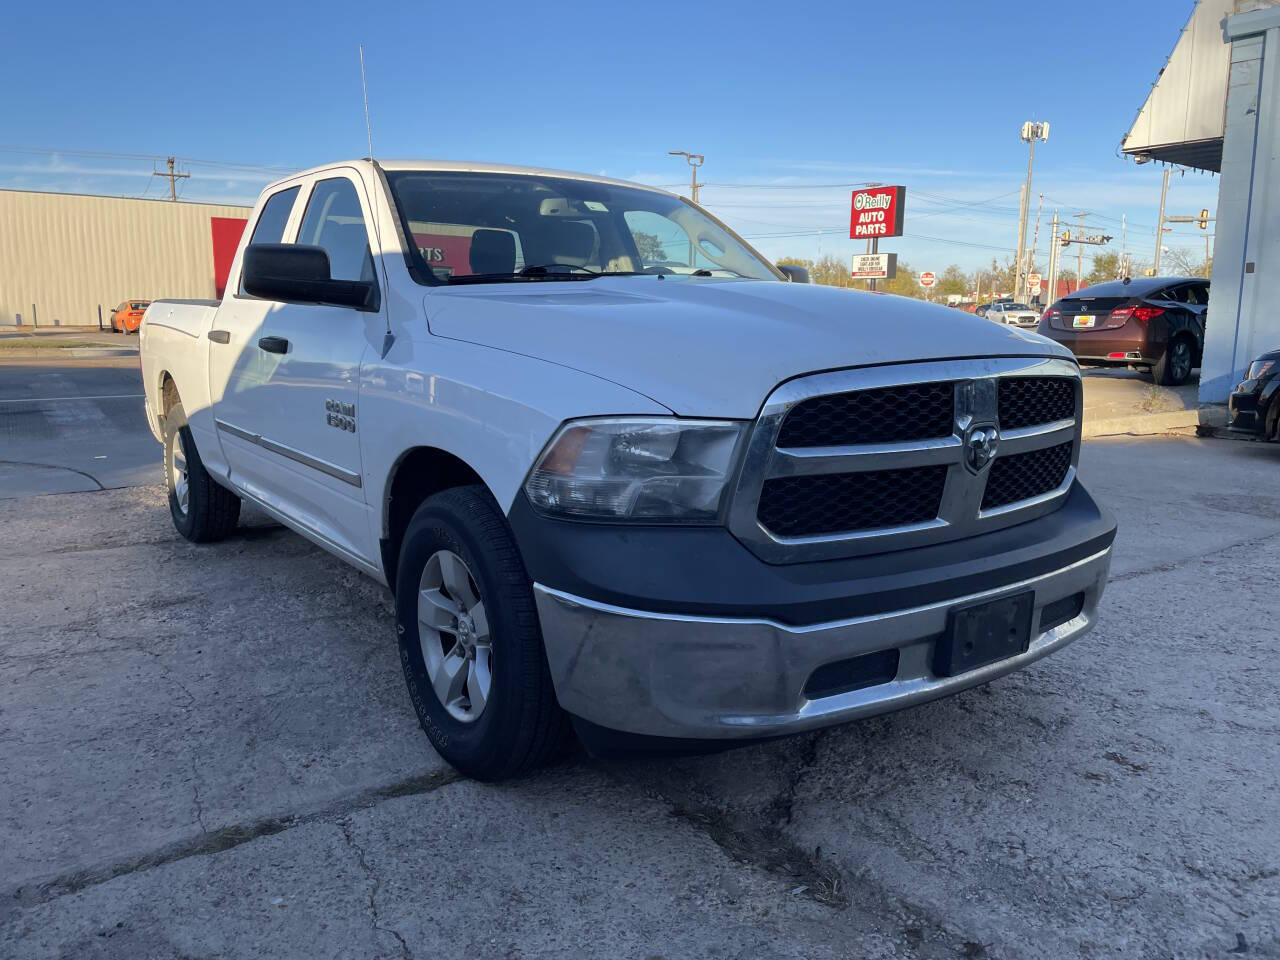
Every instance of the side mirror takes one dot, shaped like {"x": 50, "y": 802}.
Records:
{"x": 794, "y": 273}
{"x": 296, "y": 273}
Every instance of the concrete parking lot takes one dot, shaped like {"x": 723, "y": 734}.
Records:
{"x": 208, "y": 751}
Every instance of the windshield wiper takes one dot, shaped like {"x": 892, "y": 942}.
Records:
{"x": 555, "y": 269}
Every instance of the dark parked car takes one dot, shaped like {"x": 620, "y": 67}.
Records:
{"x": 1156, "y": 323}
{"x": 1255, "y": 404}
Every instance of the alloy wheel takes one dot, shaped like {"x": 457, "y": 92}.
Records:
{"x": 178, "y": 475}
{"x": 453, "y": 629}
{"x": 1180, "y": 362}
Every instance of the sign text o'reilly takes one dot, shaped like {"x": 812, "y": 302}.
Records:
{"x": 877, "y": 212}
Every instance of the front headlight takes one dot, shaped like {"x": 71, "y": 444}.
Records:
{"x": 1259, "y": 368}
{"x": 648, "y": 469}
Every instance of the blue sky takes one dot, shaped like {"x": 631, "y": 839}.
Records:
{"x": 790, "y": 103}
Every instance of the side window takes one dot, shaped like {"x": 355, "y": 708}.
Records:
{"x": 334, "y": 221}
{"x": 275, "y": 214}
{"x": 272, "y": 220}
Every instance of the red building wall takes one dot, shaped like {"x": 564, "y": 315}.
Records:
{"x": 226, "y": 237}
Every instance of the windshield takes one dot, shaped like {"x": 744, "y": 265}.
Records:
{"x": 496, "y": 227}
{"x": 1009, "y": 307}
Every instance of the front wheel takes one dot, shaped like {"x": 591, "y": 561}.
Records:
{"x": 202, "y": 510}
{"x": 470, "y": 643}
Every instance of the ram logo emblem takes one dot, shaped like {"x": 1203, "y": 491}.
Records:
{"x": 980, "y": 447}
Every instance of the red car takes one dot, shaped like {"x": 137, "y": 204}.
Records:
{"x": 127, "y": 315}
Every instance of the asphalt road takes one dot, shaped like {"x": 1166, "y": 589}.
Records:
{"x": 69, "y": 425}
{"x": 207, "y": 751}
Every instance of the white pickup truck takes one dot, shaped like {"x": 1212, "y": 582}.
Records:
{"x": 617, "y": 470}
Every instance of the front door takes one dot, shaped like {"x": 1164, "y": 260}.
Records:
{"x": 289, "y": 415}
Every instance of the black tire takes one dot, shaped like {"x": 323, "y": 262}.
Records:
{"x": 521, "y": 724}
{"x": 211, "y": 511}
{"x": 1174, "y": 368}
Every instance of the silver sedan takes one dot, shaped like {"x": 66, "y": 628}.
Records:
{"x": 1014, "y": 314}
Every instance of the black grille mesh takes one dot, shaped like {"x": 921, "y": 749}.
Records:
{"x": 917, "y": 411}
{"x": 1031, "y": 401}
{"x": 845, "y": 502}
{"x": 1025, "y": 475}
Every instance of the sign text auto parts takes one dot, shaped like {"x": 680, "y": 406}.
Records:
{"x": 877, "y": 212}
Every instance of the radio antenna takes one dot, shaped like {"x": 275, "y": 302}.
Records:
{"x": 388, "y": 338}
{"x": 364, "y": 89}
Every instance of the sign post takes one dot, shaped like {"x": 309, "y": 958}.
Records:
{"x": 927, "y": 279}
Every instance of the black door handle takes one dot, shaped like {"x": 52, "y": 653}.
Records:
{"x": 220, "y": 336}
{"x": 274, "y": 344}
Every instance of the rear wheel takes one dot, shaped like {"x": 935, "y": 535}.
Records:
{"x": 470, "y": 643}
{"x": 202, "y": 510}
{"x": 1174, "y": 368}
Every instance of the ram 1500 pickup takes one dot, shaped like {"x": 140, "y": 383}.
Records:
{"x": 617, "y": 469}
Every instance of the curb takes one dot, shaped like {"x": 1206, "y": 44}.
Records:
{"x": 65, "y": 353}
{"x": 1142, "y": 424}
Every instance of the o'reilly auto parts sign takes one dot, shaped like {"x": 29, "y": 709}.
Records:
{"x": 877, "y": 212}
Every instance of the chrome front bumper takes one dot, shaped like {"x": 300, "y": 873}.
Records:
{"x": 655, "y": 674}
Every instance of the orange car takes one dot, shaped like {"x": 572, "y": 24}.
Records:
{"x": 127, "y": 315}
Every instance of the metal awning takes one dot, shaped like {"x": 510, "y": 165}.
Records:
{"x": 1184, "y": 117}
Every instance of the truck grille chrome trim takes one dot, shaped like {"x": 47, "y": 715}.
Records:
{"x": 816, "y": 512}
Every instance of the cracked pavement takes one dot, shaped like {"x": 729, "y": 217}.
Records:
{"x": 208, "y": 752}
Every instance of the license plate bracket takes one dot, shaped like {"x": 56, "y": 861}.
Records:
{"x": 984, "y": 633}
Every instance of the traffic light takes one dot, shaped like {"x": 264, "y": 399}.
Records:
{"x": 1203, "y": 222}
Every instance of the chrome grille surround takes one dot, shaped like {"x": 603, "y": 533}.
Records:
{"x": 960, "y": 513}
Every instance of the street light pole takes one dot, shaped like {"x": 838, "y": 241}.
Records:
{"x": 695, "y": 160}
{"x": 1031, "y": 132}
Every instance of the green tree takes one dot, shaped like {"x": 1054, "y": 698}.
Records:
{"x": 951, "y": 281}
{"x": 1106, "y": 266}
{"x": 649, "y": 246}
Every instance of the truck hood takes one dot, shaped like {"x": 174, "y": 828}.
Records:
{"x": 709, "y": 347}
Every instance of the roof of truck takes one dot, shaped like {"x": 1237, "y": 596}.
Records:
{"x": 446, "y": 166}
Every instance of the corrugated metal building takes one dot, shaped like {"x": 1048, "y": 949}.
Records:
{"x": 68, "y": 254}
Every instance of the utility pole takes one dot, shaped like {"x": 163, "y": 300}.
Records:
{"x": 172, "y": 177}
{"x": 1035, "y": 240}
{"x": 1053, "y": 259}
{"x": 1124, "y": 254}
{"x": 1080, "y": 253}
{"x": 1031, "y": 132}
{"x": 1164, "y": 190}
{"x": 695, "y": 160}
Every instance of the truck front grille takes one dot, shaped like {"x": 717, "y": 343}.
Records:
{"x": 1023, "y": 476}
{"x": 912, "y": 411}
{"x": 837, "y": 502}
{"x": 886, "y": 458}
{"x": 1031, "y": 401}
